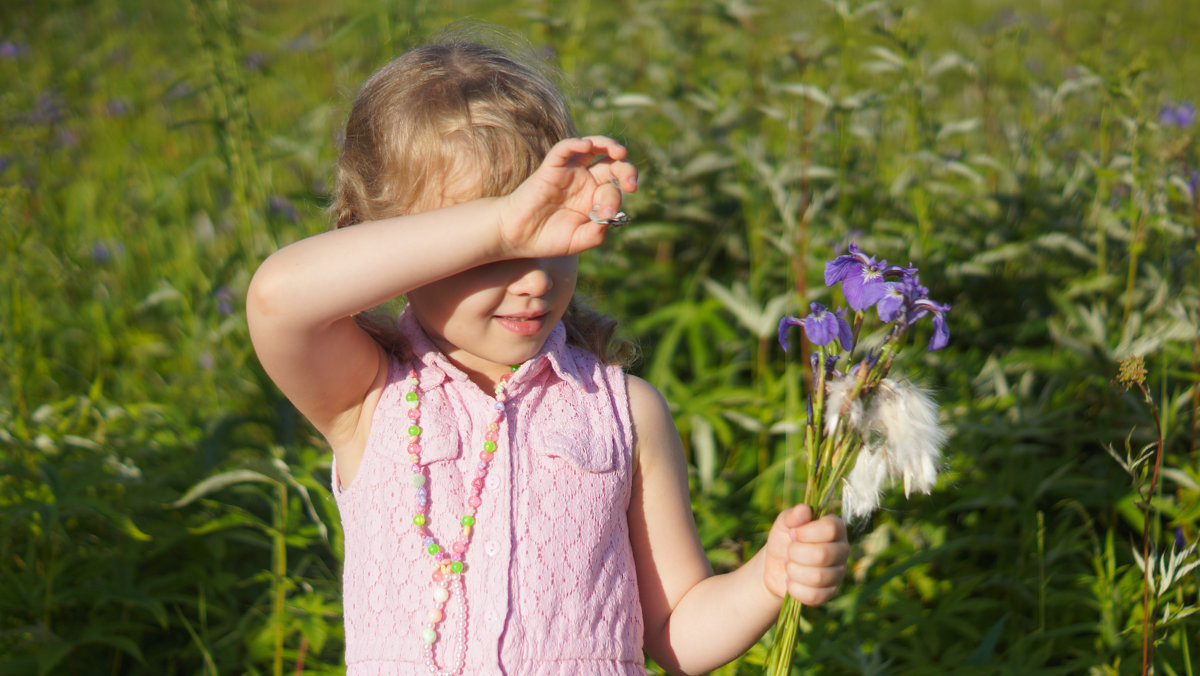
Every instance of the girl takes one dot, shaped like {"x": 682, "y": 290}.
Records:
{"x": 512, "y": 501}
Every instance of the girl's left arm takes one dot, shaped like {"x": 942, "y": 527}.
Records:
{"x": 696, "y": 621}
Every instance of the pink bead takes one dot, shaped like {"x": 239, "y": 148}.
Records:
{"x": 485, "y": 456}
{"x": 491, "y": 436}
{"x": 438, "y": 576}
{"x": 477, "y": 482}
{"x": 460, "y": 547}
{"x": 414, "y": 413}
{"x": 415, "y": 468}
{"x": 474, "y": 501}
{"x": 435, "y": 615}
{"x": 414, "y": 448}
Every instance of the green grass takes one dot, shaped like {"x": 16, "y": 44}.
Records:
{"x": 153, "y": 155}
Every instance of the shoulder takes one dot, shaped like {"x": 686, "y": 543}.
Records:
{"x": 655, "y": 436}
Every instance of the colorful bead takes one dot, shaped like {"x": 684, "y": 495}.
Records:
{"x": 447, "y": 574}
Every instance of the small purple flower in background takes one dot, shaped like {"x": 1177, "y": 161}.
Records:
{"x": 302, "y": 43}
{"x": 5, "y": 163}
{"x": 254, "y": 61}
{"x": 281, "y": 206}
{"x": 104, "y": 253}
{"x": 117, "y": 107}
{"x": 1182, "y": 114}
{"x": 822, "y": 327}
{"x": 47, "y": 110}
{"x": 12, "y": 50}
{"x": 224, "y": 298}
{"x": 1180, "y": 543}
{"x": 205, "y": 361}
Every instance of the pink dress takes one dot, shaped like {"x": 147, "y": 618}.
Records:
{"x": 550, "y": 581}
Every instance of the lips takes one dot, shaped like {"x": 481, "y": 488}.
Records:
{"x": 523, "y": 323}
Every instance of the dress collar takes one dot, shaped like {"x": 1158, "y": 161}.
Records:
{"x": 434, "y": 367}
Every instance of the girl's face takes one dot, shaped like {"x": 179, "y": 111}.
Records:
{"x": 490, "y": 317}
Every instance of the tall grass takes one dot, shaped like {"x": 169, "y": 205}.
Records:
{"x": 163, "y": 510}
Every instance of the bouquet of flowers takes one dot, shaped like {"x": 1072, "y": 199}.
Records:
{"x": 864, "y": 428}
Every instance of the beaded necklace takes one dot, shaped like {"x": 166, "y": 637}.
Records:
{"x": 448, "y": 566}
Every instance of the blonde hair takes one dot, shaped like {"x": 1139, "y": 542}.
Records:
{"x": 427, "y": 121}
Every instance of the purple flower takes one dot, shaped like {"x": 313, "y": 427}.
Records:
{"x": 941, "y": 331}
{"x": 12, "y": 50}
{"x": 1180, "y": 543}
{"x": 224, "y": 298}
{"x": 1177, "y": 115}
{"x": 822, "y": 327}
{"x": 861, "y": 276}
{"x": 282, "y": 206}
{"x": 117, "y": 107}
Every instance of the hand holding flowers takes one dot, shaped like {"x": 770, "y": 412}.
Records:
{"x": 864, "y": 428}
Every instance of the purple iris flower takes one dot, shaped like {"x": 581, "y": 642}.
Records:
{"x": 862, "y": 277}
{"x": 1177, "y": 115}
{"x": 941, "y": 331}
{"x": 822, "y": 327}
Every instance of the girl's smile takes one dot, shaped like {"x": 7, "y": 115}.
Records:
{"x": 489, "y": 317}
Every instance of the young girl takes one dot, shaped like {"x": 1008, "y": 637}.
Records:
{"x": 512, "y": 501}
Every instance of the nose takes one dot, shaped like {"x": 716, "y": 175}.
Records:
{"x": 532, "y": 278}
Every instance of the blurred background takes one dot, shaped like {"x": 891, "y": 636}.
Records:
{"x": 164, "y": 511}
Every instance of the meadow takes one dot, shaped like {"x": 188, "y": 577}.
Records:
{"x": 163, "y": 510}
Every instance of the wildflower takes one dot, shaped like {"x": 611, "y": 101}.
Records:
{"x": 224, "y": 298}
{"x": 821, "y": 326}
{"x": 1133, "y": 371}
{"x": 1180, "y": 543}
{"x": 1177, "y": 115}
{"x": 902, "y": 441}
{"x": 103, "y": 253}
{"x": 12, "y": 50}
{"x": 860, "y": 492}
{"x": 941, "y": 330}
{"x": 861, "y": 276}
{"x": 117, "y": 107}
{"x": 839, "y": 401}
{"x": 282, "y": 206}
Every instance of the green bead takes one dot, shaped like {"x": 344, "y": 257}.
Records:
{"x": 489, "y": 446}
{"x": 456, "y": 566}
{"x": 417, "y": 480}
{"x": 414, "y": 430}
{"x": 514, "y": 367}
{"x": 411, "y": 396}
{"x": 419, "y": 520}
{"x": 429, "y": 636}
{"x": 468, "y": 520}
{"x": 434, "y": 549}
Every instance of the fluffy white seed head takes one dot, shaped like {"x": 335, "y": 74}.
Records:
{"x": 837, "y": 392}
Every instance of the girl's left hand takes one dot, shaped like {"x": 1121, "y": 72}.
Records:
{"x": 805, "y": 558}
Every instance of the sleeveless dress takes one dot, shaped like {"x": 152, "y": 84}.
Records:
{"x": 550, "y": 581}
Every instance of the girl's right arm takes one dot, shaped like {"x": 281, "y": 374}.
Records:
{"x": 301, "y": 301}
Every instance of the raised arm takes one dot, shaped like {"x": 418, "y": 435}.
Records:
{"x": 301, "y": 300}
{"x": 695, "y": 621}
